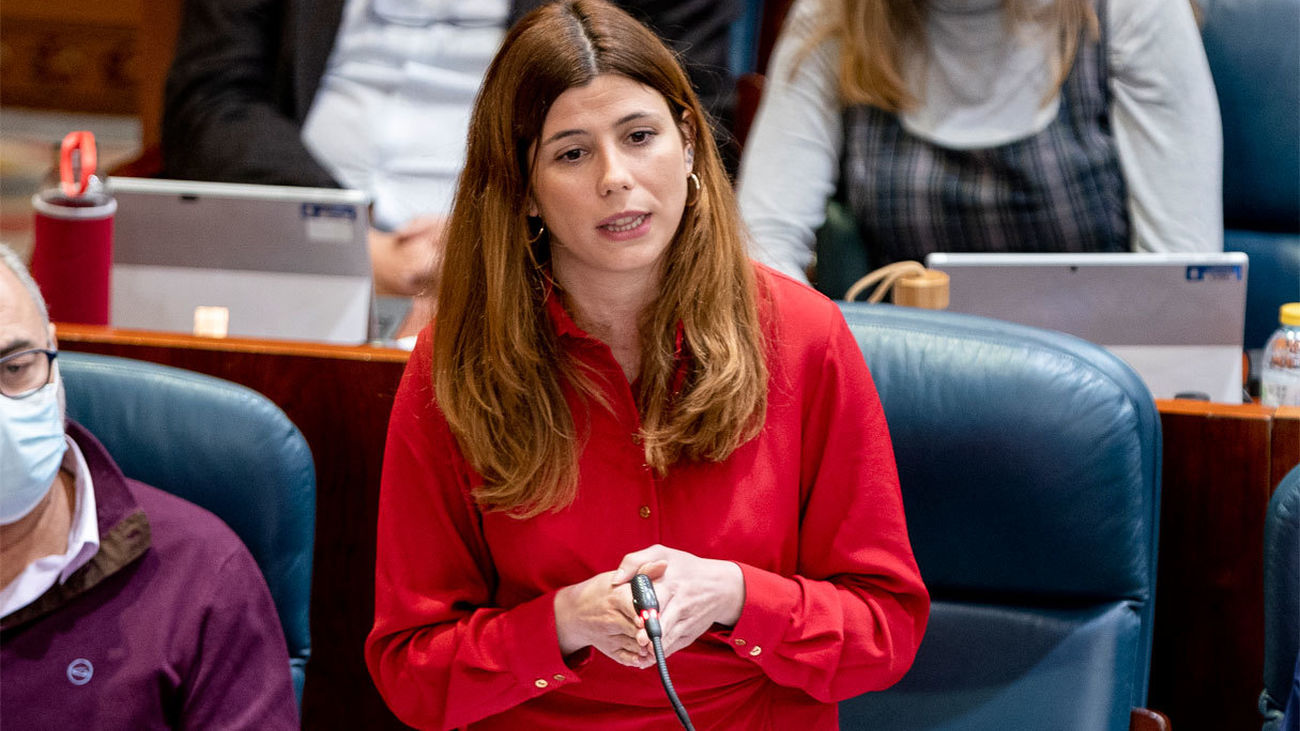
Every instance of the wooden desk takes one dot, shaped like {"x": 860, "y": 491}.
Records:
{"x": 1285, "y": 443}
{"x": 1221, "y": 463}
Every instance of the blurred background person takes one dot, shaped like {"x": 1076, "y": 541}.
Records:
{"x": 986, "y": 125}
{"x": 373, "y": 95}
{"x": 611, "y": 386}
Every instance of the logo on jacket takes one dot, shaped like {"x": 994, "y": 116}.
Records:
{"x": 79, "y": 671}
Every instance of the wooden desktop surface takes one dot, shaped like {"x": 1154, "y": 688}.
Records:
{"x": 1221, "y": 463}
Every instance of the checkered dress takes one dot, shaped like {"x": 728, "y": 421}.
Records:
{"x": 1058, "y": 190}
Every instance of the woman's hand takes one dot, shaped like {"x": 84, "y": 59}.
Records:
{"x": 598, "y": 612}
{"x": 693, "y": 593}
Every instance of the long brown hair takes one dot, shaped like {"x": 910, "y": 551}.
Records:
{"x": 499, "y": 370}
{"x": 874, "y": 35}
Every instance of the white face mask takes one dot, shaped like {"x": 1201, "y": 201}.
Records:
{"x": 31, "y": 448}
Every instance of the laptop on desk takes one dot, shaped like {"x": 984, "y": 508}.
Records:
{"x": 264, "y": 261}
{"x": 1177, "y": 319}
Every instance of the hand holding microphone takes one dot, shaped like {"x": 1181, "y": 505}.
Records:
{"x": 598, "y": 613}
{"x": 647, "y": 608}
{"x": 693, "y": 593}
{"x": 690, "y": 596}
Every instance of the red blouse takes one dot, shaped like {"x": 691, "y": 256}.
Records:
{"x": 810, "y": 509}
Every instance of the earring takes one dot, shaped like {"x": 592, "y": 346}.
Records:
{"x": 693, "y": 181}
{"x": 541, "y": 229}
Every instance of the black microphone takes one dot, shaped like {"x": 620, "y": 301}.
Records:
{"x": 646, "y": 605}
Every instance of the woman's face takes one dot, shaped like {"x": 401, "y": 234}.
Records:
{"x": 610, "y": 180}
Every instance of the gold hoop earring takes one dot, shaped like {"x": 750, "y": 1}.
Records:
{"x": 694, "y": 181}
{"x": 541, "y": 229}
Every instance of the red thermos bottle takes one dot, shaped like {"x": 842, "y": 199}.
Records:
{"x": 73, "y": 251}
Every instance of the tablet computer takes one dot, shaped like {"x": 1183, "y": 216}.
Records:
{"x": 1177, "y": 319}
{"x": 245, "y": 260}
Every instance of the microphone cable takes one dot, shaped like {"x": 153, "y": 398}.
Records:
{"x": 646, "y": 605}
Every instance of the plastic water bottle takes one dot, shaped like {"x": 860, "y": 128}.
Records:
{"x": 1279, "y": 379}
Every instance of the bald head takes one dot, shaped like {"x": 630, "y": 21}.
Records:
{"x": 24, "y": 321}
{"x": 10, "y": 261}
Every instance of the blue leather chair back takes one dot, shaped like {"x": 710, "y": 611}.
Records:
{"x": 221, "y": 446}
{"x": 1030, "y": 471}
{"x": 1281, "y": 595}
{"x": 1254, "y": 51}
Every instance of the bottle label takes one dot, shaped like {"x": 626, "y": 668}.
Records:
{"x": 1279, "y": 389}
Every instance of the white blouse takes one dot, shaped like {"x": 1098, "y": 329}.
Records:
{"x": 392, "y": 112}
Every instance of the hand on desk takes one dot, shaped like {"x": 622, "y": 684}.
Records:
{"x": 406, "y": 261}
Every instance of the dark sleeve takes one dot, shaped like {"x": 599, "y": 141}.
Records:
{"x": 228, "y": 110}
{"x": 240, "y": 678}
{"x": 699, "y": 31}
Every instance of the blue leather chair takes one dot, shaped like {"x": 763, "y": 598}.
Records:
{"x": 221, "y": 446}
{"x": 1254, "y": 50}
{"x": 1281, "y": 598}
{"x": 1030, "y": 471}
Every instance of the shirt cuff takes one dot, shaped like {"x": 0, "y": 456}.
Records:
{"x": 535, "y": 657}
{"x": 770, "y": 600}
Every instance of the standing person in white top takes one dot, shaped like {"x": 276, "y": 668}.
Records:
{"x": 986, "y": 125}
{"x": 369, "y": 94}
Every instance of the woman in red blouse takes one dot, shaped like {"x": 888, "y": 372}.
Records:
{"x": 612, "y": 387}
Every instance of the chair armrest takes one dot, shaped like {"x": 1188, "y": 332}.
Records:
{"x": 1145, "y": 719}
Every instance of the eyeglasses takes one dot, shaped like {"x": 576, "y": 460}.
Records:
{"x": 420, "y": 14}
{"x": 25, "y": 372}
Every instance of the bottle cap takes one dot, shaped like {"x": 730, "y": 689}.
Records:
{"x": 1290, "y": 313}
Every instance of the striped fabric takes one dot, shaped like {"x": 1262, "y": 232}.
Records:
{"x": 1058, "y": 190}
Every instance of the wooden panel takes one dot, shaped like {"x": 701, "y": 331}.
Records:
{"x": 121, "y": 13}
{"x": 1143, "y": 719}
{"x": 70, "y": 66}
{"x": 1209, "y": 639}
{"x": 155, "y": 46}
{"x": 83, "y": 56}
{"x": 1286, "y": 443}
{"x": 340, "y": 398}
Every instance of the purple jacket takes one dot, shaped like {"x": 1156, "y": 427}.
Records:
{"x": 170, "y": 625}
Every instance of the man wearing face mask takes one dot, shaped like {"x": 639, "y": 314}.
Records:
{"x": 121, "y": 606}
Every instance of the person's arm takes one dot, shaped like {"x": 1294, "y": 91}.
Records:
{"x": 1167, "y": 129}
{"x": 220, "y": 117}
{"x": 241, "y": 676}
{"x": 790, "y": 164}
{"x": 441, "y": 655}
{"x": 851, "y": 618}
